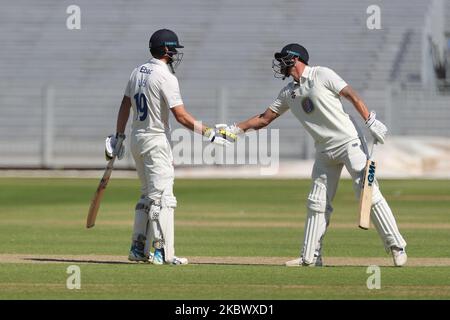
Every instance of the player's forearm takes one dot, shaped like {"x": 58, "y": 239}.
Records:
{"x": 255, "y": 123}
{"x": 188, "y": 121}
{"x": 184, "y": 118}
{"x": 124, "y": 113}
{"x": 357, "y": 102}
{"x": 361, "y": 108}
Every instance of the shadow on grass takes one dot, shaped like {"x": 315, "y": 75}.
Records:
{"x": 79, "y": 261}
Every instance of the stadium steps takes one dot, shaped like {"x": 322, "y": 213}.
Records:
{"x": 229, "y": 45}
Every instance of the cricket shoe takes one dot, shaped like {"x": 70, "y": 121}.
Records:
{"x": 137, "y": 255}
{"x": 399, "y": 256}
{"x": 158, "y": 258}
{"x": 178, "y": 261}
{"x": 317, "y": 262}
{"x": 150, "y": 257}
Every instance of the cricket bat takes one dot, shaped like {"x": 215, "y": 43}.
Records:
{"x": 98, "y": 195}
{"x": 365, "y": 200}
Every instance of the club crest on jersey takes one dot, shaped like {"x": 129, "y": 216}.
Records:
{"x": 307, "y": 105}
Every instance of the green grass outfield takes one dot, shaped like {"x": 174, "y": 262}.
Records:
{"x": 252, "y": 221}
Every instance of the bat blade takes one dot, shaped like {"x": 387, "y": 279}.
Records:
{"x": 98, "y": 195}
{"x": 365, "y": 201}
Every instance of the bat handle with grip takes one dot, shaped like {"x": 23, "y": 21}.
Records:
{"x": 371, "y": 150}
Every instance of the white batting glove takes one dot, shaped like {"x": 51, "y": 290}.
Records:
{"x": 235, "y": 129}
{"x": 376, "y": 128}
{"x": 111, "y": 146}
{"x": 220, "y": 135}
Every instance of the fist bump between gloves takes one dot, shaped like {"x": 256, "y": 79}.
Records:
{"x": 221, "y": 134}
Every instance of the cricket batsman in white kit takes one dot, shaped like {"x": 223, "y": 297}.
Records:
{"x": 314, "y": 97}
{"x": 151, "y": 92}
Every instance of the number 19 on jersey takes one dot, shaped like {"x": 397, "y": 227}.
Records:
{"x": 141, "y": 106}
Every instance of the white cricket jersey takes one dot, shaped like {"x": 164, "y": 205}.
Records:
{"x": 153, "y": 90}
{"x": 316, "y": 103}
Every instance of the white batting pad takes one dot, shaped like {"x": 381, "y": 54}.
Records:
{"x": 166, "y": 220}
{"x": 140, "y": 218}
{"x": 384, "y": 222}
{"x": 315, "y": 228}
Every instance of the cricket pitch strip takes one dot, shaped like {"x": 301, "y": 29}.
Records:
{"x": 198, "y": 260}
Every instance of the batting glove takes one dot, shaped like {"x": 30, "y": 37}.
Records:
{"x": 112, "y": 148}
{"x": 376, "y": 128}
{"x": 220, "y": 135}
{"x": 235, "y": 129}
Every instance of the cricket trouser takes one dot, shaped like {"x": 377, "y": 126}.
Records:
{"x": 325, "y": 179}
{"x": 154, "y": 165}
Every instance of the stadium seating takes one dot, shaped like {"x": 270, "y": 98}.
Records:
{"x": 229, "y": 45}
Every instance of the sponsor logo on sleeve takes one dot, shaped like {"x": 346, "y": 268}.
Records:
{"x": 145, "y": 70}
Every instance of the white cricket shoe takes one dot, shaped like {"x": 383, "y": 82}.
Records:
{"x": 317, "y": 262}
{"x": 158, "y": 258}
{"x": 178, "y": 261}
{"x": 399, "y": 256}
